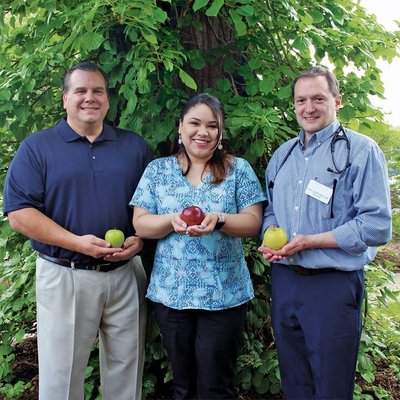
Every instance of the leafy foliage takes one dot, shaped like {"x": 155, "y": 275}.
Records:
{"x": 157, "y": 54}
{"x": 380, "y": 338}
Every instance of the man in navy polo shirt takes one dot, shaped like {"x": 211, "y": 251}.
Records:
{"x": 65, "y": 187}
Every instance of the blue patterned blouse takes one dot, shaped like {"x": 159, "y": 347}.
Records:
{"x": 207, "y": 272}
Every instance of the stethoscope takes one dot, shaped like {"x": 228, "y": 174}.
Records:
{"x": 338, "y": 135}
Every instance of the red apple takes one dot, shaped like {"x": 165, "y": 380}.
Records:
{"x": 193, "y": 215}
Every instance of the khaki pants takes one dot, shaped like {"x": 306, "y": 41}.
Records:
{"x": 73, "y": 307}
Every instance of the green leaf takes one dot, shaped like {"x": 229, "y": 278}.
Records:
{"x": 258, "y": 268}
{"x": 214, "y": 9}
{"x": 5, "y": 94}
{"x": 197, "y": 60}
{"x": 266, "y": 85}
{"x": 132, "y": 102}
{"x": 91, "y": 41}
{"x": 149, "y": 36}
{"x": 246, "y": 11}
{"x": 255, "y": 63}
{"x": 306, "y": 19}
{"x": 19, "y": 335}
{"x": 251, "y": 89}
{"x": 302, "y": 43}
{"x": 275, "y": 387}
{"x": 187, "y": 79}
{"x": 317, "y": 16}
{"x": 347, "y": 113}
{"x": 18, "y": 304}
{"x": 224, "y": 85}
{"x": 132, "y": 34}
{"x": 198, "y": 4}
{"x": 160, "y": 15}
{"x": 168, "y": 65}
{"x": 285, "y": 92}
{"x": 69, "y": 40}
{"x": 368, "y": 376}
{"x": 240, "y": 26}
{"x": 263, "y": 386}
{"x": 258, "y": 147}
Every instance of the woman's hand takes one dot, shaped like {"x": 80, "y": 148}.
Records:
{"x": 178, "y": 224}
{"x": 205, "y": 228}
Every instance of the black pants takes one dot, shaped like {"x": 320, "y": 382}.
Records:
{"x": 202, "y": 347}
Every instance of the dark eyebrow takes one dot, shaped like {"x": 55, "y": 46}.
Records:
{"x": 199, "y": 120}
{"x": 85, "y": 88}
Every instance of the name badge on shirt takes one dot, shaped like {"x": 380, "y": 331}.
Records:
{"x": 319, "y": 191}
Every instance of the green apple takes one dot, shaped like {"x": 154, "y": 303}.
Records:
{"x": 115, "y": 237}
{"x": 275, "y": 238}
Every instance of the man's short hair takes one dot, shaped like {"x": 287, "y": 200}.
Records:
{"x": 84, "y": 66}
{"x": 333, "y": 84}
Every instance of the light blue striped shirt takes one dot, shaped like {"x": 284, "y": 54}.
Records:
{"x": 358, "y": 212}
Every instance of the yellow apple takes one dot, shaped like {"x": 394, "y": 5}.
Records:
{"x": 115, "y": 237}
{"x": 275, "y": 238}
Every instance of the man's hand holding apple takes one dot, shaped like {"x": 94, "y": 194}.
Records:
{"x": 274, "y": 243}
{"x": 131, "y": 246}
{"x": 94, "y": 246}
{"x": 299, "y": 243}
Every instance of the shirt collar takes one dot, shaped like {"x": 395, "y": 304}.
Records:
{"x": 69, "y": 135}
{"x": 321, "y": 135}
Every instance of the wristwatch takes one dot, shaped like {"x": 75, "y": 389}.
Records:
{"x": 220, "y": 223}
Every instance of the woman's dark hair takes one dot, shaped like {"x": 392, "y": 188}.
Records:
{"x": 220, "y": 162}
{"x": 84, "y": 66}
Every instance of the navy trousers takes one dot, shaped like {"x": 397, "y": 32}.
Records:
{"x": 202, "y": 347}
{"x": 317, "y": 326}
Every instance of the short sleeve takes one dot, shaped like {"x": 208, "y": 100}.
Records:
{"x": 24, "y": 182}
{"x": 248, "y": 187}
{"x": 144, "y": 196}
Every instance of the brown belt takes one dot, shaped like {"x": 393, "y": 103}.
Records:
{"x": 308, "y": 271}
{"x": 103, "y": 267}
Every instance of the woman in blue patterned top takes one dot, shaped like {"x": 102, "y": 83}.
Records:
{"x": 200, "y": 282}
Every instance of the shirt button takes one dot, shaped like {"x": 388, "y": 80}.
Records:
{"x": 291, "y": 260}
{"x": 306, "y": 159}
{"x": 294, "y": 234}
{"x": 300, "y": 182}
{"x": 296, "y": 208}
{"x": 93, "y": 157}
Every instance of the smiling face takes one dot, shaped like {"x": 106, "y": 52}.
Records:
{"x": 315, "y": 104}
{"x": 199, "y": 132}
{"x": 86, "y": 102}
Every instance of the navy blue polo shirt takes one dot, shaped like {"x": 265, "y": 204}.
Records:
{"x": 84, "y": 187}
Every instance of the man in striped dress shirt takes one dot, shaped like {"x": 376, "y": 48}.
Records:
{"x": 329, "y": 189}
